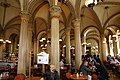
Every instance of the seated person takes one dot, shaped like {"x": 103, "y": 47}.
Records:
{"x": 68, "y": 74}
{"x": 84, "y": 68}
{"x": 62, "y": 63}
{"x": 102, "y": 71}
{"x": 51, "y": 74}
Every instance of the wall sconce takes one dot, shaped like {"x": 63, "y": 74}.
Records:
{"x": 4, "y": 41}
{"x": 84, "y": 43}
{"x": 1, "y": 40}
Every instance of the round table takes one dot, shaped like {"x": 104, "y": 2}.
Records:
{"x": 75, "y": 77}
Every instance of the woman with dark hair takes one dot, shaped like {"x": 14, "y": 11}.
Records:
{"x": 102, "y": 71}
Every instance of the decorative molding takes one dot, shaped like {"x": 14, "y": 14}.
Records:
{"x": 108, "y": 3}
{"x": 76, "y": 22}
{"x": 55, "y": 11}
{"x": 25, "y": 16}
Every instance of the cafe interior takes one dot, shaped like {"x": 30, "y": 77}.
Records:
{"x": 37, "y": 33}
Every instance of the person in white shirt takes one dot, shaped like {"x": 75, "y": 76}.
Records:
{"x": 62, "y": 63}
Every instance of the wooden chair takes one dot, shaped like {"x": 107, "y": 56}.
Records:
{"x": 94, "y": 77}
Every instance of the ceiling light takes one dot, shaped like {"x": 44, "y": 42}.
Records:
{"x": 43, "y": 39}
{"x": 60, "y": 39}
{"x": 84, "y": 43}
{"x": 92, "y": 3}
{"x": 42, "y": 45}
{"x": 114, "y": 35}
{"x": 64, "y": 46}
{"x": 48, "y": 41}
{"x": 1, "y": 40}
{"x": 7, "y": 40}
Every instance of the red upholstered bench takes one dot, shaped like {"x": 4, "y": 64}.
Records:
{"x": 20, "y": 77}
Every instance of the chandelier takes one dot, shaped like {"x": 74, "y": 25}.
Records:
{"x": 92, "y": 3}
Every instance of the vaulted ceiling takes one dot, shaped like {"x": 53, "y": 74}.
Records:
{"x": 102, "y": 18}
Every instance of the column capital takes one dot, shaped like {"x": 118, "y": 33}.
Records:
{"x": 24, "y": 16}
{"x": 76, "y": 22}
{"x": 68, "y": 29}
{"x": 55, "y": 11}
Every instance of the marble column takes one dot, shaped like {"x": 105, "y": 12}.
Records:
{"x": 38, "y": 43}
{"x": 1, "y": 50}
{"x": 35, "y": 50}
{"x": 1, "y": 46}
{"x": 84, "y": 45}
{"x": 29, "y": 48}
{"x": 108, "y": 47}
{"x": 84, "y": 49}
{"x": 111, "y": 45}
{"x": 78, "y": 48}
{"x": 63, "y": 51}
{"x": 16, "y": 43}
{"x": 68, "y": 54}
{"x": 22, "y": 56}
{"x": 100, "y": 44}
{"x": 55, "y": 14}
{"x": 119, "y": 44}
{"x": 11, "y": 46}
{"x": 105, "y": 49}
{"x": 115, "y": 49}
{"x": 117, "y": 41}
{"x": 48, "y": 43}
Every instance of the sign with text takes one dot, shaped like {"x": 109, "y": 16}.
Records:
{"x": 42, "y": 58}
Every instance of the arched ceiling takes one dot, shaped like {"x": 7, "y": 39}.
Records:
{"x": 103, "y": 16}
{"x": 9, "y": 9}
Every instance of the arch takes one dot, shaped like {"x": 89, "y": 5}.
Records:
{"x": 90, "y": 32}
{"x": 89, "y": 28}
{"x": 16, "y": 18}
{"x": 111, "y": 30}
{"x": 69, "y": 21}
{"x": 95, "y": 39}
{"x": 10, "y": 31}
{"x": 41, "y": 33}
{"x": 96, "y": 19}
{"x": 110, "y": 18}
{"x": 42, "y": 21}
{"x": 12, "y": 27}
{"x": 78, "y": 4}
{"x": 69, "y": 4}
{"x": 13, "y": 36}
{"x": 35, "y": 6}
